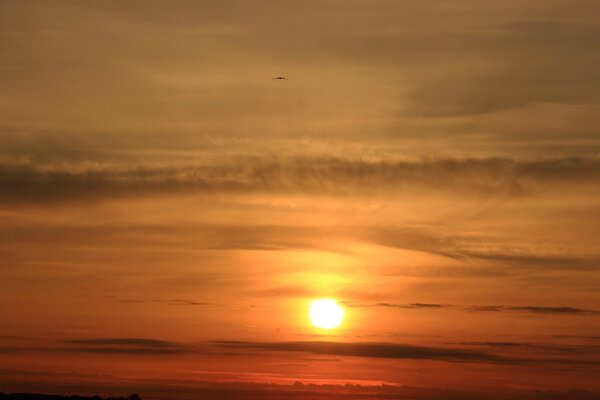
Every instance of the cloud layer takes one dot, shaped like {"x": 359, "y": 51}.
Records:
{"x": 28, "y": 182}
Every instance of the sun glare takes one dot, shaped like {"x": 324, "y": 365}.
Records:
{"x": 326, "y": 313}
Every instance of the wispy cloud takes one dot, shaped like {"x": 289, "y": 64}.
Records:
{"x": 135, "y": 346}
{"x": 411, "y": 305}
{"x": 415, "y": 352}
{"x": 561, "y": 310}
{"x": 26, "y": 182}
{"x": 535, "y": 310}
{"x": 408, "y": 306}
{"x": 371, "y": 349}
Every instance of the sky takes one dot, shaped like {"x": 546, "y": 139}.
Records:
{"x": 169, "y": 211}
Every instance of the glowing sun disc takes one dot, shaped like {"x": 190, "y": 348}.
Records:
{"x": 326, "y": 314}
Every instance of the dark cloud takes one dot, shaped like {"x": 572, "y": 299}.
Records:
{"x": 500, "y": 176}
{"x": 373, "y": 350}
{"x": 495, "y": 344}
{"x": 125, "y": 346}
{"x": 577, "y": 337}
{"x": 182, "y": 302}
{"x": 143, "y": 342}
{"x": 412, "y": 305}
{"x": 524, "y": 356}
{"x": 482, "y": 247}
{"x": 535, "y": 310}
{"x": 170, "y": 302}
{"x": 547, "y": 261}
{"x": 135, "y": 346}
{"x": 398, "y": 305}
{"x": 544, "y": 347}
{"x": 485, "y": 308}
{"x": 14, "y": 337}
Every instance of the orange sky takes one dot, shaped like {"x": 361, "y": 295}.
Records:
{"x": 168, "y": 211}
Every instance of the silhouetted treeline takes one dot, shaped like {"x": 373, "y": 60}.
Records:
{"x": 301, "y": 391}
{"x": 39, "y": 396}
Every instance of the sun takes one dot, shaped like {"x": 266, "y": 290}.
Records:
{"x": 326, "y": 313}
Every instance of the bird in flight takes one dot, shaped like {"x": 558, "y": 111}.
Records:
{"x": 280, "y": 78}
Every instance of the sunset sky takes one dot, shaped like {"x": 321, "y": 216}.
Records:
{"x": 169, "y": 211}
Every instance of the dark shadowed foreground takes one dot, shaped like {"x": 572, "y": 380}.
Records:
{"x": 40, "y": 396}
{"x": 255, "y": 391}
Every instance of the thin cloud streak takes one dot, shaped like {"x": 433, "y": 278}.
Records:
{"x": 133, "y": 346}
{"x": 372, "y": 350}
{"x": 564, "y": 310}
{"x": 405, "y": 351}
{"x": 142, "y": 342}
{"x": 535, "y": 310}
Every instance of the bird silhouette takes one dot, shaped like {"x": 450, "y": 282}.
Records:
{"x": 280, "y": 78}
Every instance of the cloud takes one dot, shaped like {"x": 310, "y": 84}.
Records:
{"x": 29, "y": 182}
{"x": 169, "y": 302}
{"x": 494, "y": 344}
{"x": 515, "y": 257}
{"x": 372, "y": 350}
{"x": 14, "y": 337}
{"x": 492, "y": 67}
{"x": 503, "y": 251}
{"x": 412, "y": 305}
{"x": 286, "y": 291}
{"x": 519, "y": 346}
{"x": 535, "y": 310}
{"x": 143, "y": 342}
{"x": 399, "y": 305}
{"x": 485, "y": 308}
{"x": 522, "y": 357}
{"x": 135, "y": 346}
{"x": 182, "y": 302}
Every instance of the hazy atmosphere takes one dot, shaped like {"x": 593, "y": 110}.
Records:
{"x": 181, "y": 180}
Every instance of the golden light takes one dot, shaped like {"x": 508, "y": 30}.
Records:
{"x": 326, "y": 313}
